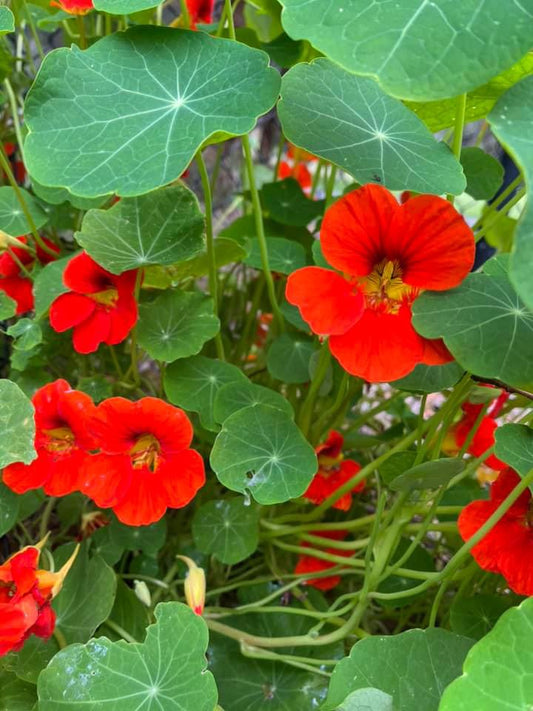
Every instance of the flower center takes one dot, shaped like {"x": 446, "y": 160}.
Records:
{"x": 145, "y": 452}
{"x": 327, "y": 464}
{"x": 60, "y": 439}
{"x": 107, "y": 298}
{"x": 384, "y": 288}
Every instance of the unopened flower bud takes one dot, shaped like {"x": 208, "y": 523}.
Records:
{"x": 50, "y": 583}
{"x": 143, "y": 593}
{"x": 194, "y": 585}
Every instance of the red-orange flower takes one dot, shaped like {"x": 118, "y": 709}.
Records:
{"x": 13, "y": 280}
{"x": 388, "y": 254}
{"x": 25, "y": 597}
{"x": 484, "y": 436}
{"x": 310, "y": 564}
{"x": 145, "y": 465}
{"x": 100, "y": 306}
{"x": 200, "y": 11}
{"x": 294, "y": 166}
{"x": 61, "y": 441}
{"x": 508, "y": 547}
{"x": 333, "y": 472}
{"x": 74, "y": 7}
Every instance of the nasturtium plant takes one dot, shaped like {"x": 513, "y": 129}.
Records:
{"x": 266, "y": 336}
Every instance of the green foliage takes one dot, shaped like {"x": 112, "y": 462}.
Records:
{"x": 514, "y": 446}
{"x": 429, "y": 475}
{"x": 12, "y": 217}
{"x": 7, "y": 21}
{"x": 484, "y": 174}
{"x": 430, "y": 378}
{"x": 124, "y": 7}
{"x": 227, "y": 528}
{"x": 235, "y": 396}
{"x": 289, "y": 356}
{"x": 18, "y": 426}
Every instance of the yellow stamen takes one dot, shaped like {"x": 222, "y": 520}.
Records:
{"x": 145, "y": 452}
{"x": 385, "y": 287}
{"x": 108, "y": 297}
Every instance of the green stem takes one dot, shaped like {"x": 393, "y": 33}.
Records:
{"x": 15, "y": 115}
{"x": 306, "y": 412}
{"x": 33, "y": 30}
{"x": 333, "y": 409}
{"x": 120, "y": 631}
{"x": 459, "y": 125}
{"x": 260, "y": 231}
{"x": 210, "y": 244}
{"x": 316, "y": 179}
{"x": 185, "y": 14}
{"x": 330, "y": 185}
{"x": 45, "y": 518}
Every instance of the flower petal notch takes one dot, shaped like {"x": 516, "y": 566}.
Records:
{"x": 128, "y": 114}
{"x": 352, "y": 122}
{"x": 384, "y": 40}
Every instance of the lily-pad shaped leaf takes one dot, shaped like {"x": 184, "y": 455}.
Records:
{"x": 484, "y": 324}
{"x": 163, "y": 227}
{"x": 514, "y": 446}
{"x": 17, "y": 425}
{"x": 8, "y": 307}
{"x": 176, "y": 325}
{"x": 124, "y": 7}
{"x": 193, "y": 383}
{"x": 285, "y": 202}
{"x": 367, "y": 700}
{"x": 351, "y": 122}
{"x": 508, "y": 121}
{"x": 235, "y": 396}
{"x": 497, "y": 670}
{"x": 87, "y": 595}
{"x": 27, "y": 334}
{"x": 284, "y": 255}
{"x": 430, "y": 378}
{"x": 12, "y": 217}
{"x": 413, "y": 667}
{"x": 288, "y": 358}
{"x": 429, "y": 475}
{"x": 260, "y": 450}
{"x": 484, "y": 174}
{"x": 470, "y": 43}
{"x": 58, "y": 196}
{"x": 227, "y": 528}
{"x": 7, "y": 21}
{"x": 474, "y": 617}
{"x": 438, "y": 115}
{"x": 164, "y": 673}
{"x": 128, "y": 114}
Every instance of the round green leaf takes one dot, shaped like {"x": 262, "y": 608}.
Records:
{"x": 351, "y": 122}
{"x": 284, "y": 255}
{"x": 226, "y": 251}
{"x": 470, "y": 43}
{"x": 429, "y": 475}
{"x": 58, "y": 196}
{"x": 227, "y": 528}
{"x": 16, "y": 695}
{"x": 27, "y": 334}
{"x": 430, "y": 378}
{"x": 510, "y": 123}
{"x": 149, "y": 539}
{"x": 193, "y": 384}
{"x": 514, "y": 446}
{"x": 367, "y": 700}
{"x": 8, "y": 307}
{"x": 176, "y": 325}
{"x": 288, "y": 358}
{"x": 124, "y": 7}
{"x": 166, "y": 90}
{"x": 235, "y": 396}
{"x": 414, "y": 667}
{"x": 9, "y": 509}
{"x": 17, "y": 425}
{"x": 7, "y": 21}
{"x": 475, "y": 616}
{"x": 261, "y": 450}
{"x": 484, "y": 324}
{"x": 163, "y": 227}
{"x": 285, "y": 202}
{"x": 484, "y": 174}
{"x": 164, "y": 673}
{"x": 12, "y": 217}
{"x": 87, "y": 595}
{"x": 497, "y": 671}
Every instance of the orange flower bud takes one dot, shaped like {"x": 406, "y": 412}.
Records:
{"x": 194, "y": 585}
{"x": 49, "y": 583}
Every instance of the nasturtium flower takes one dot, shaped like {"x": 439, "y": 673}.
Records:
{"x": 483, "y": 438}
{"x": 14, "y": 281}
{"x": 100, "y": 306}
{"x": 74, "y": 7}
{"x": 25, "y": 597}
{"x": 61, "y": 442}
{"x": 508, "y": 547}
{"x": 387, "y": 254}
{"x": 144, "y": 464}
{"x": 295, "y": 166}
{"x": 200, "y": 11}
{"x": 333, "y": 472}
{"x": 311, "y": 564}
{"x": 194, "y": 586}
